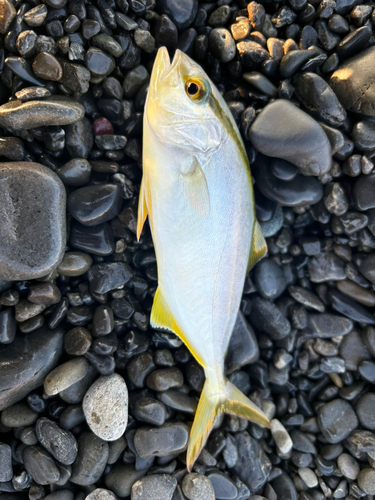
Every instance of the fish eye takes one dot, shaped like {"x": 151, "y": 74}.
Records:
{"x": 197, "y": 89}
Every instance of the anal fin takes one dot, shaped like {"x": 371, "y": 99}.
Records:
{"x": 258, "y": 247}
{"x": 162, "y": 317}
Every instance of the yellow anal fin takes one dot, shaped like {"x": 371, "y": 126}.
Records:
{"x": 211, "y": 404}
{"x": 258, "y": 247}
{"x": 162, "y": 317}
{"x": 143, "y": 209}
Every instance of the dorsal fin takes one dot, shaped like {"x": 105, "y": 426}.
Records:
{"x": 258, "y": 247}
{"x": 162, "y": 317}
{"x": 143, "y": 205}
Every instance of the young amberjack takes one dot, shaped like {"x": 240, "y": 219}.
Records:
{"x": 197, "y": 192}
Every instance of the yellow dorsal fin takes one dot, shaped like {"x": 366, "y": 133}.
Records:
{"x": 162, "y": 317}
{"x": 258, "y": 247}
{"x": 143, "y": 202}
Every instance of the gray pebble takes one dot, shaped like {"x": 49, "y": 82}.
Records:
{"x": 91, "y": 460}
{"x": 348, "y": 466}
{"x": 157, "y": 487}
{"x": 336, "y": 420}
{"x": 197, "y": 487}
{"x": 162, "y": 441}
{"x": 65, "y": 375}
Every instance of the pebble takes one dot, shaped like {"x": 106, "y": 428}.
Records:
{"x": 353, "y": 350}
{"x": 18, "y": 415}
{"x": 79, "y": 138}
{"x": 47, "y": 67}
{"x": 243, "y": 345}
{"x": 6, "y": 470}
{"x": 367, "y": 371}
{"x": 97, "y": 240}
{"x": 65, "y": 375}
{"x": 336, "y": 420}
{"x": 76, "y": 172}
{"x": 367, "y": 269}
{"x": 224, "y": 487}
{"x": 61, "y": 444}
{"x": 162, "y": 441}
{"x": 8, "y": 326}
{"x": 182, "y": 15}
{"x": 325, "y": 267}
{"x": 101, "y": 494}
{"x": 28, "y": 224}
{"x": 99, "y": 63}
{"x": 91, "y": 459}
{"x": 366, "y": 481}
{"x": 363, "y": 192}
{"x": 308, "y": 476}
{"x": 121, "y": 479}
{"x": 284, "y": 487}
{"x": 7, "y": 14}
{"x": 281, "y": 437}
{"x": 108, "y": 276}
{"x": 350, "y": 308}
{"x": 306, "y": 298}
{"x": 267, "y": 317}
{"x": 26, "y": 361}
{"x": 348, "y": 466}
{"x": 157, "y": 486}
{"x": 269, "y": 279}
{"x": 36, "y": 16}
{"x": 222, "y": 44}
{"x": 280, "y": 120}
{"x": 150, "y": 411}
{"x": 94, "y": 205}
{"x": 197, "y": 487}
{"x": 164, "y": 379}
{"x": 40, "y": 465}
{"x": 105, "y": 406}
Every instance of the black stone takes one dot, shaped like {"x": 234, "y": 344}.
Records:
{"x": 97, "y": 240}
{"x": 61, "y": 444}
{"x": 181, "y": 12}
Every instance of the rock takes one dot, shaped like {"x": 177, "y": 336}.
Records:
{"x": 267, "y": 317}
{"x": 12, "y": 148}
{"x": 65, "y": 375}
{"x": 144, "y": 40}
{"x": 348, "y": 466}
{"x": 32, "y": 217}
{"x": 197, "y": 487}
{"x": 76, "y": 77}
{"x": 363, "y": 192}
{"x": 319, "y": 99}
{"x": 181, "y": 13}
{"x": 97, "y": 240}
{"x": 18, "y": 115}
{"x": 243, "y": 346}
{"x": 363, "y": 135}
{"x": 108, "y": 276}
{"x": 350, "y": 308}
{"x": 75, "y": 172}
{"x": 44, "y": 293}
{"x": 6, "y": 470}
{"x": 224, "y": 487}
{"x": 79, "y": 140}
{"x": 366, "y": 480}
{"x": 329, "y": 325}
{"x": 164, "y": 379}
{"x": 367, "y": 371}
{"x": 7, "y": 14}
{"x": 75, "y": 393}
{"x": 269, "y": 279}
{"x": 281, "y": 437}
{"x": 91, "y": 460}
{"x": 353, "y": 83}
{"x": 178, "y": 401}
{"x": 222, "y": 44}
{"x": 92, "y": 205}
{"x": 277, "y": 123}
{"x": 299, "y": 192}
{"x": 162, "y": 441}
{"x": 107, "y": 44}
{"x": 121, "y": 479}
{"x": 105, "y": 406}
{"x": 47, "y": 67}
{"x": 261, "y": 83}
{"x": 308, "y": 476}
{"x": 8, "y": 326}
{"x": 26, "y": 310}
{"x": 367, "y": 267}
{"x": 26, "y": 361}
{"x": 150, "y": 411}
{"x": 273, "y": 226}
{"x": 74, "y": 264}
{"x": 61, "y": 444}
{"x": 284, "y": 487}
{"x": 99, "y": 63}
{"x": 325, "y": 267}
{"x": 306, "y": 298}
{"x": 101, "y": 494}
{"x": 40, "y": 465}
{"x": 157, "y": 486}
{"x": 36, "y": 16}
{"x": 336, "y": 420}
{"x": 353, "y": 350}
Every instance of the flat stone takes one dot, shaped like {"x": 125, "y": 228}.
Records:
{"x": 99, "y": 63}
{"x": 32, "y": 216}
{"x": 348, "y": 466}
{"x": 336, "y": 420}
{"x": 350, "y": 308}
{"x": 164, "y": 379}
{"x": 366, "y": 410}
{"x": 75, "y": 172}
{"x": 325, "y": 267}
{"x": 74, "y": 264}
{"x": 367, "y": 267}
{"x": 47, "y": 67}
{"x": 91, "y": 459}
{"x": 354, "y": 83}
{"x": 327, "y": 325}
{"x": 353, "y": 350}
{"x": 366, "y": 480}
{"x": 40, "y": 465}
{"x": 271, "y": 134}
{"x": 306, "y": 298}
{"x": 61, "y": 444}
{"x": 26, "y": 361}
{"x": 162, "y": 441}
{"x": 18, "y": 415}
{"x": 105, "y": 406}
{"x": 157, "y": 487}
{"x": 20, "y": 115}
{"x": 65, "y": 375}
{"x": 197, "y": 487}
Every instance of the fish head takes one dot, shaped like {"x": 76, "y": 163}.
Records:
{"x": 183, "y": 108}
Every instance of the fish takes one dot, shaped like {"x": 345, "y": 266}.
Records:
{"x": 197, "y": 193}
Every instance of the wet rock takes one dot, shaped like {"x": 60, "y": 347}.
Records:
{"x": 26, "y": 361}
{"x": 91, "y": 460}
{"x": 65, "y": 375}
{"x": 329, "y": 325}
{"x": 306, "y": 298}
{"x": 267, "y": 317}
{"x": 105, "y": 406}
{"x": 164, "y": 379}
{"x": 243, "y": 346}
{"x": 336, "y": 420}
{"x": 94, "y": 205}
{"x": 181, "y": 13}
{"x": 281, "y": 120}
{"x": 33, "y": 223}
{"x": 157, "y": 486}
{"x": 325, "y": 267}
{"x": 98, "y": 240}
{"x": 47, "y": 67}
{"x": 367, "y": 267}
{"x": 99, "y": 63}
{"x": 109, "y": 276}
{"x": 162, "y": 441}
{"x": 75, "y": 172}
{"x": 269, "y": 279}
{"x": 79, "y": 139}
{"x": 18, "y": 415}
{"x": 61, "y": 444}
{"x": 252, "y": 54}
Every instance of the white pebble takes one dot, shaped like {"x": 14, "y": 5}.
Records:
{"x": 308, "y": 476}
{"x": 281, "y": 436}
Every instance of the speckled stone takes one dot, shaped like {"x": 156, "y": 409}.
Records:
{"x": 32, "y": 218}
{"x": 7, "y": 14}
{"x": 105, "y": 406}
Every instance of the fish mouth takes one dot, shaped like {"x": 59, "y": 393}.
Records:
{"x": 163, "y": 68}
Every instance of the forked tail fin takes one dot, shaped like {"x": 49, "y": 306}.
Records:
{"x": 211, "y": 404}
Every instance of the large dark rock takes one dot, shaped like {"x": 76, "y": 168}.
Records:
{"x": 26, "y": 361}
{"x": 243, "y": 346}
{"x": 182, "y": 12}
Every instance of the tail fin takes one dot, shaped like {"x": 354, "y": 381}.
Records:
{"x": 211, "y": 404}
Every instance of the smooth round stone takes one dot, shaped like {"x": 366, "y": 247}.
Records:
{"x": 363, "y": 192}
{"x": 348, "y": 466}
{"x": 164, "y": 379}
{"x": 8, "y": 326}
{"x": 150, "y": 411}
{"x": 260, "y": 82}
{"x": 7, "y": 14}
{"x": 101, "y": 494}
{"x": 293, "y": 61}
{"x": 103, "y": 321}
{"x": 367, "y": 267}
{"x": 178, "y": 401}
{"x": 281, "y": 436}
{"x": 18, "y": 415}
{"x": 121, "y": 479}
{"x": 354, "y": 42}
{"x": 134, "y": 80}
{"x": 224, "y": 487}
{"x": 157, "y": 487}
{"x": 268, "y": 317}
{"x": 74, "y": 264}
{"x": 102, "y": 126}
{"x": 20, "y": 115}
{"x": 273, "y": 226}
{"x": 91, "y": 459}
{"x": 65, "y": 375}
{"x": 90, "y": 28}
{"x": 319, "y": 99}
{"x": 336, "y": 420}
{"x": 105, "y": 406}
{"x": 271, "y": 134}
{"x": 31, "y": 93}
{"x": 222, "y": 44}
{"x": 12, "y": 148}
{"x": 36, "y": 16}
{"x": 99, "y": 63}
{"x": 353, "y": 350}
{"x": 161, "y": 441}
{"x": 47, "y": 67}
{"x": 45, "y": 294}
{"x": 76, "y": 392}
{"x": 77, "y": 341}
{"x": 326, "y": 266}
{"x": 283, "y": 170}
{"x": 108, "y": 276}
{"x": 306, "y": 298}
{"x": 61, "y": 444}
{"x": 97, "y": 240}
{"x": 22, "y": 68}
{"x": 364, "y": 135}
{"x": 269, "y": 279}
{"x": 107, "y": 44}
{"x": 33, "y": 223}
{"x": 197, "y": 487}
{"x": 40, "y": 465}
{"x": 284, "y": 487}
{"x": 366, "y": 481}
{"x": 76, "y": 172}
{"x": 94, "y": 205}
{"x": 181, "y": 13}
{"x": 353, "y": 83}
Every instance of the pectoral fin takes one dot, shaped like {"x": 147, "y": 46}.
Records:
{"x": 162, "y": 317}
{"x": 196, "y": 190}
{"x": 258, "y": 247}
{"x": 142, "y": 206}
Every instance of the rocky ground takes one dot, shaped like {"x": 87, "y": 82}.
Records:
{"x": 96, "y": 404}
